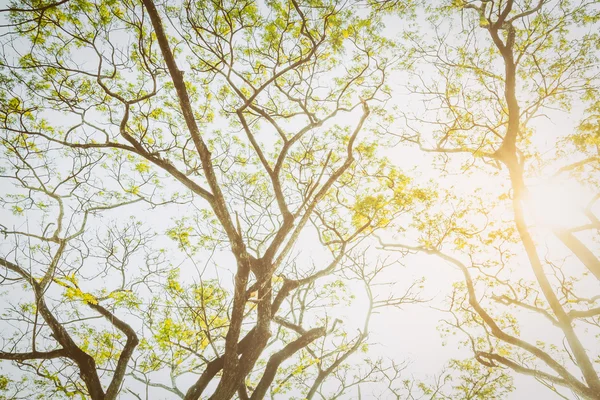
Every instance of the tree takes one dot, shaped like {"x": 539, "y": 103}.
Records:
{"x": 511, "y": 63}
{"x": 250, "y": 120}
{"x": 191, "y": 192}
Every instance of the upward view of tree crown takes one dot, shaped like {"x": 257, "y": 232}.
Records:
{"x": 216, "y": 199}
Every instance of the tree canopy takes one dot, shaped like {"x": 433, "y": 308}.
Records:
{"x": 223, "y": 199}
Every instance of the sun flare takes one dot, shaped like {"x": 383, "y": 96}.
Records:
{"x": 557, "y": 203}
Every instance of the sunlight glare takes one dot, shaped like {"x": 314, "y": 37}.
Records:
{"x": 557, "y": 203}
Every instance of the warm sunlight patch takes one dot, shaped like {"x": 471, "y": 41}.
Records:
{"x": 557, "y": 203}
